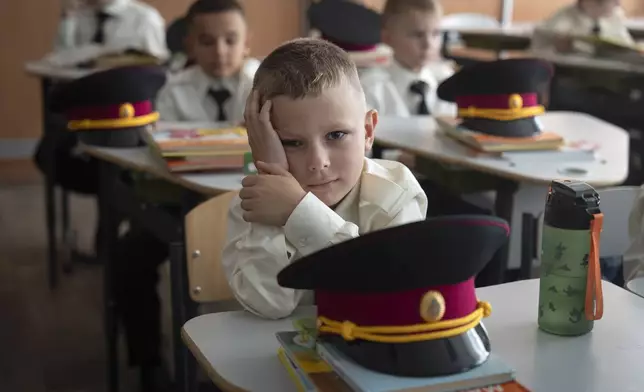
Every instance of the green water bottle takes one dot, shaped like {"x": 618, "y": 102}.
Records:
{"x": 570, "y": 292}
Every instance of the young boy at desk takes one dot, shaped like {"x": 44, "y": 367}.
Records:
{"x": 215, "y": 89}
{"x": 602, "y": 18}
{"x": 408, "y": 85}
{"x": 309, "y": 129}
{"x": 119, "y": 23}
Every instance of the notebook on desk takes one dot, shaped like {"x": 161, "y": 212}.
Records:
{"x": 489, "y": 143}
{"x": 493, "y": 372}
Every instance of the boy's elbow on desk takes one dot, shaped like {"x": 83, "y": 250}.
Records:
{"x": 268, "y": 301}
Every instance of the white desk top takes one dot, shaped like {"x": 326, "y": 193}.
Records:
{"x": 46, "y": 70}
{"x": 141, "y": 159}
{"x": 239, "y": 350}
{"x": 421, "y": 135}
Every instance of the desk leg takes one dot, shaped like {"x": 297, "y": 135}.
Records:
{"x": 50, "y": 191}
{"x": 494, "y": 271}
{"x": 107, "y": 236}
{"x": 183, "y": 308}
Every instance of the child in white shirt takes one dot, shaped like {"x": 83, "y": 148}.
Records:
{"x": 216, "y": 87}
{"x": 309, "y": 130}
{"x": 122, "y": 24}
{"x": 408, "y": 85}
{"x": 604, "y": 18}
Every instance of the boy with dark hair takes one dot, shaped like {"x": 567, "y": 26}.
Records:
{"x": 216, "y": 87}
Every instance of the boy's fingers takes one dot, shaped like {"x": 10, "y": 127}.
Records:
{"x": 265, "y": 115}
{"x": 248, "y": 216}
{"x": 271, "y": 168}
{"x": 249, "y": 181}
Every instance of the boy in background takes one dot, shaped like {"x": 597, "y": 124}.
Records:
{"x": 353, "y": 27}
{"x": 408, "y": 85}
{"x": 309, "y": 130}
{"x": 603, "y": 18}
{"x": 119, "y": 23}
{"x": 216, "y": 87}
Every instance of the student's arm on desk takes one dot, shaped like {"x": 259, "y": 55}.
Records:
{"x": 255, "y": 254}
{"x": 67, "y": 33}
{"x": 622, "y": 33}
{"x": 165, "y": 105}
{"x": 634, "y": 255}
{"x": 152, "y": 39}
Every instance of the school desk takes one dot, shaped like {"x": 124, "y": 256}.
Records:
{"x": 517, "y": 35}
{"x": 116, "y": 198}
{"x": 239, "y": 351}
{"x": 49, "y": 75}
{"x": 520, "y": 184}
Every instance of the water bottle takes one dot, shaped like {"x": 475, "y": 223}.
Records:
{"x": 570, "y": 287}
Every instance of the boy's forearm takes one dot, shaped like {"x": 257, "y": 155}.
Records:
{"x": 314, "y": 226}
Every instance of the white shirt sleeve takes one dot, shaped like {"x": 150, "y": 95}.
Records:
{"x": 66, "y": 34}
{"x": 255, "y": 254}
{"x": 165, "y": 105}
{"x": 152, "y": 36}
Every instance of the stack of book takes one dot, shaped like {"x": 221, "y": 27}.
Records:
{"x": 200, "y": 149}
{"x": 488, "y": 143}
{"x": 317, "y": 367}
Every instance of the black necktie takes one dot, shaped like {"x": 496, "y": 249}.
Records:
{"x": 596, "y": 31}
{"x": 220, "y": 97}
{"x": 420, "y": 87}
{"x": 99, "y": 34}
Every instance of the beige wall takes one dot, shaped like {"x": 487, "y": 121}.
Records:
{"x": 26, "y": 33}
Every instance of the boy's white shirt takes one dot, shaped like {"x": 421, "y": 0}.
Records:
{"x": 570, "y": 20}
{"x": 185, "y": 95}
{"x": 387, "y": 89}
{"x": 387, "y": 195}
{"x": 134, "y": 24}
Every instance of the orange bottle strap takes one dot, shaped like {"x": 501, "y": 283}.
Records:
{"x": 594, "y": 307}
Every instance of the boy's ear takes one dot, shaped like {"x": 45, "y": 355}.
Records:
{"x": 370, "y": 122}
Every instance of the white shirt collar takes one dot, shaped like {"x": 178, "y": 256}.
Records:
{"x": 203, "y": 82}
{"x": 116, "y": 6}
{"x": 404, "y": 77}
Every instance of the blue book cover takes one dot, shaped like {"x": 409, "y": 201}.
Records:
{"x": 494, "y": 371}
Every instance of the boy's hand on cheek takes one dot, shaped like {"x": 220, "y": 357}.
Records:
{"x": 271, "y": 196}
{"x": 265, "y": 144}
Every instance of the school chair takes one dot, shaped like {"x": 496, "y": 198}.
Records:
{"x": 205, "y": 235}
{"x": 616, "y": 204}
{"x": 205, "y": 230}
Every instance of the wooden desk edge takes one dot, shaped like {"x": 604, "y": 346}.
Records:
{"x": 215, "y": 377}
{"x": 167, "y": 176}
{"x": 485, "y": 169}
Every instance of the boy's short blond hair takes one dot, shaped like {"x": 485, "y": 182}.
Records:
{"x": 396, "y": 7}
{"x": 304, "y": 67}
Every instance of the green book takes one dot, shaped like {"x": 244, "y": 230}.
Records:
{"x": 249, "y": 164}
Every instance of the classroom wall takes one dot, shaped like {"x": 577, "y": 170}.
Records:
{"x": 26, "y": 33}
{"x": 524, "y": 10}
{"x": 27, "y": 28}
